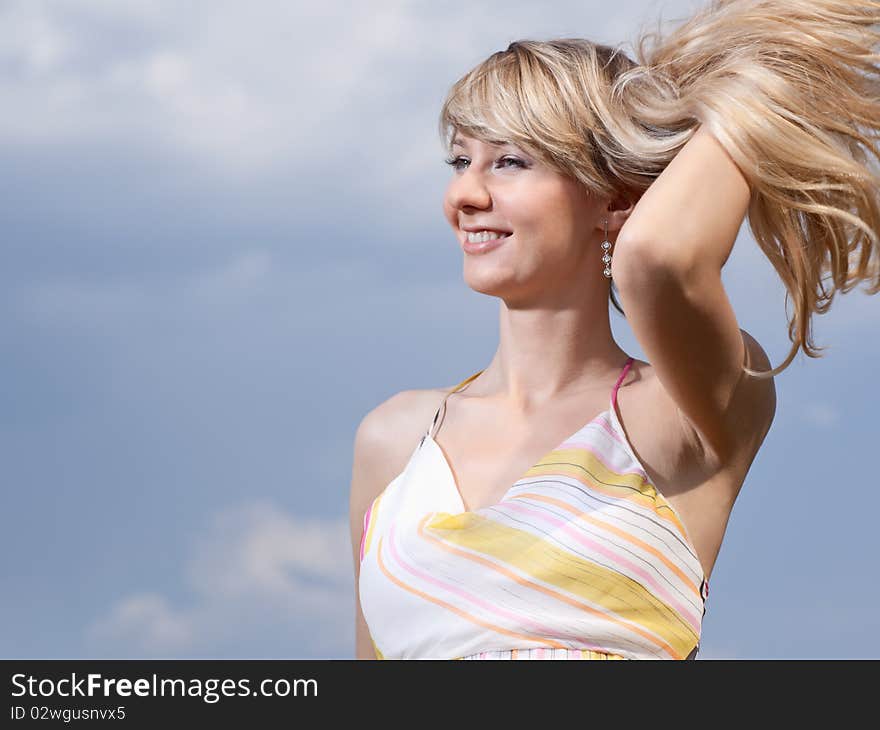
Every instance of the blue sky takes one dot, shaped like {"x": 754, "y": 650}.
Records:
{"x": 223, "y": 244}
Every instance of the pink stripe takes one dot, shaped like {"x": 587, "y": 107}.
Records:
{"x": 536, "y": 628}
{"x": 587, "y": 446}
{"x": 581, "y": 441}
{"x": 641, "y": 472}
{"x": 608, "y": 428}
{"x": 565, "y": 526}
{"x": 541, "y": 653}
{"x": 557, "y": 633}
{"x": 366, "y": 524}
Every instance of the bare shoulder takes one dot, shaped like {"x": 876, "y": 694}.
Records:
{"x": 386, "y": 438}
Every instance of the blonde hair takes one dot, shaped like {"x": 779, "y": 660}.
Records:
{"x": 788, "y": 87}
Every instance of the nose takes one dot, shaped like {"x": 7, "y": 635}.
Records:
{"x": 468, "y": 189}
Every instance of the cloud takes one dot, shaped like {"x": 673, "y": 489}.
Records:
{"x": 242, "y": 89}
{"x": 149, "y": 619}
{"x": 258, "y": 577}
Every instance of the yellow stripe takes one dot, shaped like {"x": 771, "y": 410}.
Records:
{"x": 373, "y": 510}
{"x": 617, "y": 531}
{"x": 606, "y": 587}
{"x": 583, "y": 465}
{"x": 611, "y": 590}
{"x": 466, "y": 616}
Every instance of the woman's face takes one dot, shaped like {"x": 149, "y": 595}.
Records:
{"x": 552, "y": 221}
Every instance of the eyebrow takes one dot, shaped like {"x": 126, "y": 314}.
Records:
{"x": 456, "y": 142}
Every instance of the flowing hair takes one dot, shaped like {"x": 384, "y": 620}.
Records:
{"x": 790, "y": 89}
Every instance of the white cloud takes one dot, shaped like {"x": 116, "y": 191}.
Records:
{"x": 257, "y": 572}
{"x": 147, "y": 618}
{"x": 30, "y": 38}
{"x": 246, "y": 88}
{"x": 236, "y": 86}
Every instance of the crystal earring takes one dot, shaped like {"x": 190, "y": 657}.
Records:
{"x": 606, "y": 257}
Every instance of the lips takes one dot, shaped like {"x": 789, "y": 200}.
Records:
{"x": 483, "y": 246}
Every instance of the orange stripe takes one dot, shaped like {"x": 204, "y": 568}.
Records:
{"x": 544, "y": 589}
{"x": 455, "y": 609}
{"x": 617, "y": 531}
{"x": 565, "y": 467}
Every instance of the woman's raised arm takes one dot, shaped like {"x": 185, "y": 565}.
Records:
{"x": 667, "y": 267}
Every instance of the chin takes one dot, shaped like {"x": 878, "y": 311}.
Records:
{"x": 493, "y": 281}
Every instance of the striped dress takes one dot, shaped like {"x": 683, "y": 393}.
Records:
{"x": 582, "y": 558}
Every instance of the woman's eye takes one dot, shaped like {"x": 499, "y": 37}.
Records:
{"x": 455, "y": 162}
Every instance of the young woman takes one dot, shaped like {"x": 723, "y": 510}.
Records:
{"x": 567, "y": 500}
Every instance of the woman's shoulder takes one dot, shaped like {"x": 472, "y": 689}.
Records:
{"x": 404, "y": 415}
{"x": 407, "y": 412}
{"x": 389, "y": 432}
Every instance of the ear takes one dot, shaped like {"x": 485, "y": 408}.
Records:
{"x": 617, "y": 211}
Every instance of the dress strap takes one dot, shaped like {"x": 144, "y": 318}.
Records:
{"x": 626, "y": 367}
{"x": 443, "y": 404}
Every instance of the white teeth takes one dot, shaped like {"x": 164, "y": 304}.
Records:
{"x": 481, "y": 236}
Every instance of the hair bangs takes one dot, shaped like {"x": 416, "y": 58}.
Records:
{"x": 504, "y": 100}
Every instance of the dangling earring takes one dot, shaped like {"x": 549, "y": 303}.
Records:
{"x": 606, "y": 244}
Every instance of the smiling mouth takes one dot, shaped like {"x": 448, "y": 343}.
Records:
{"x": 501, "y": 234}
{"x": 476, "y": 247}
